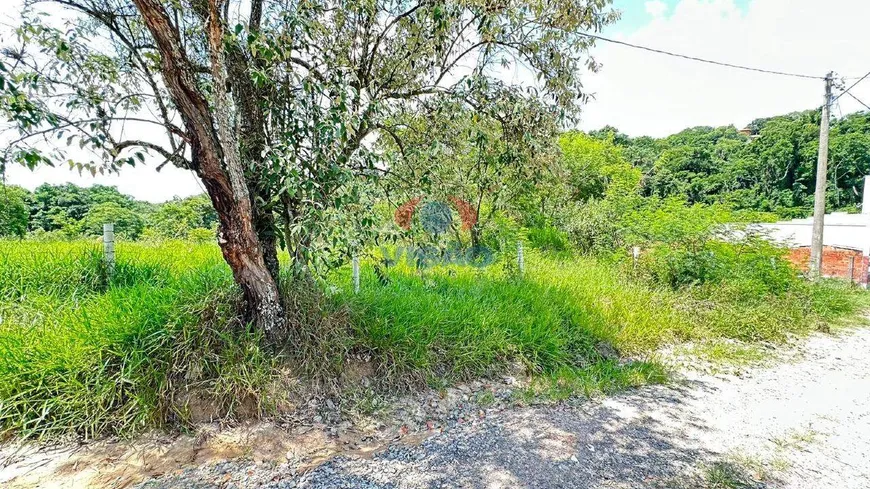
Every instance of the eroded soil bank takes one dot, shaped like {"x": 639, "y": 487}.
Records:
{"x": 803, "y": 422}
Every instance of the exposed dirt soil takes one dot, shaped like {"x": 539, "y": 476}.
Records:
{"x": 801, "y": 423}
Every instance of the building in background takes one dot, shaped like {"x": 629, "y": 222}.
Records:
{"x": 846, "y": 238}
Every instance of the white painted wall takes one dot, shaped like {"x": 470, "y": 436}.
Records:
{"x": 841, "y": 229}
{"x": 852, "y": 232}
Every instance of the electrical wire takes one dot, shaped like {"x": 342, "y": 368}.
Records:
{"x": 850, "y": 87}
{"x": 859, "y": 101}
{"x": 702, "y": 60}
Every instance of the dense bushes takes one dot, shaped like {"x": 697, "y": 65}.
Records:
{"x": 548, "y": 238}
{"x": 736, "y": 283}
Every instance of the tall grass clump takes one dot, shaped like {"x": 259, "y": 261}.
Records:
{"x": 452, "y": 323}
{"x": 576, "y": 314}
{"x": 84, "y": 353}
{"x": 162, "y": 342}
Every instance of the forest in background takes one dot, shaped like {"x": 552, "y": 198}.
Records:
{"x": 771, "y": 169}
{"x": 69, "y": 211}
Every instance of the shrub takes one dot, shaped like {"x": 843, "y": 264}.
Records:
{"x": 594, "y": 227}
{"x": 547, "y": 238}
{"x": 757, "y": 265}
{"x": 128, "y": 223}
{"x": 201, "y": 235}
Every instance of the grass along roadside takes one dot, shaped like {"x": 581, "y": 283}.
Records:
{"x": 161, "y": 341}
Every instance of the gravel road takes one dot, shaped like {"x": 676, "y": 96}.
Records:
{"x": 803, "y": 423}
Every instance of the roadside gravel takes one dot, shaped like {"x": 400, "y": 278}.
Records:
{"x": 800, "y": 424}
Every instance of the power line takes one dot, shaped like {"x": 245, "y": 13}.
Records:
{"x": 859, "y": 101}
{"x": 851, "y": 87}
{"x": 702, "y": 60}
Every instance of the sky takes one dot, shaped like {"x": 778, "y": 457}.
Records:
{"x": 644, "y": 93}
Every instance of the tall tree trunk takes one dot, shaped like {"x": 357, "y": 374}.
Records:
{"x": 221, "y": 173}
{"x": 252, "y": 140}
{"x": 243, "y": 252}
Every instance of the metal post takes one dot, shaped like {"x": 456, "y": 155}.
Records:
{"x": 521, "y": 261}
{"x": 109, "y": 247}
{"x": 635, "y": 255}
{"x": 355, "y": 274}
{"x": 817, "y": 249}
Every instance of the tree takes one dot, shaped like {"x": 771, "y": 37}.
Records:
{"x": 128, "y": 223}
{"x": 14, "y": 211}
{"x": 57, "y": 206}
{"x": 772, "y": 170}
{"x": 482, "y": 161}
{"x": 177, "y": 218}
{"x": 591, "y": 167}
{"x": 269, "y": 102}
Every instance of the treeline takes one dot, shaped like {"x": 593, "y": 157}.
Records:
{"x": 68, "y": 211}
{"x": 768, "y": 167}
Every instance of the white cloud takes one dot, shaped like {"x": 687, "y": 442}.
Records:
{"x": 656, "y": 8}
{"x": 646, "y": 93}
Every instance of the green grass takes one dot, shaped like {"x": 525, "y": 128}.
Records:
{"x": 80, "y": 353}
{"x": 724, "y": 475}
{"x": 461, "y": 322}
{"x": 83, "y": 354}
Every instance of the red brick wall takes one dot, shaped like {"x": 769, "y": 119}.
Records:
{"x": 835, "y": 262}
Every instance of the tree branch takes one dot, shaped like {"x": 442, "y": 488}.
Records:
{"x": 170, "y": 157}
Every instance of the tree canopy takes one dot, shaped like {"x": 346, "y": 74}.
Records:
{"x": 68, "y": 211}
{"x": 772, "y": 169}
{"x": 14, "y": 212}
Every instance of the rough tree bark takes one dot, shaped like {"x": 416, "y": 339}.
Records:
{"x": 252, "y": 141}
{"x": 216, "y": 161}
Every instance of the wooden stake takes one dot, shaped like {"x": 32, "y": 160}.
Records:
{"x": 521, "y": 261}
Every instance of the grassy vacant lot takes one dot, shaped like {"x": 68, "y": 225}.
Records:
{"x": 86, "y": 355}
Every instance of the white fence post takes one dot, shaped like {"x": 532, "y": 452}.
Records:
{"x": 355, "y": 274}
{"x": 521, "y": 261}
{"x": 635, "y": 255}
{"x": 109, "y": 247}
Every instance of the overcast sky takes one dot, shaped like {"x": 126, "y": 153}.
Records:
{"x": 643, "y": 93}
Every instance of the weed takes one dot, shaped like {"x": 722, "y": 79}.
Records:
{"x": 485, "y": 399}
{"x": 796, "y": 439}
{"x": 722, "y": 353}
{"x": 160, "y": 342}
{"x": 724, "y": 475}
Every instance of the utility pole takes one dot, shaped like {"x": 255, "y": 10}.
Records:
{"x": 821, "y": 184}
